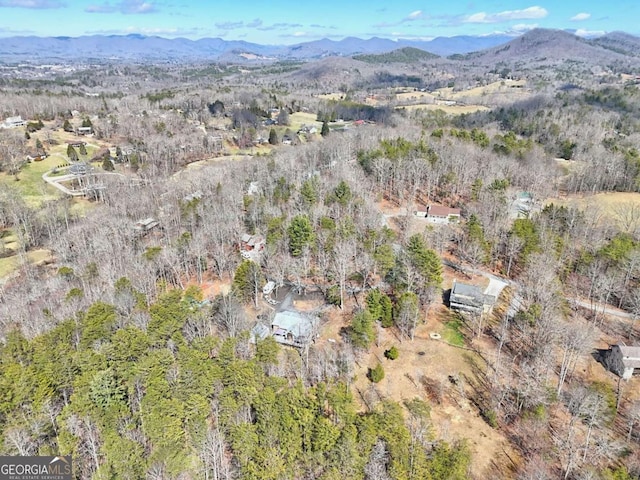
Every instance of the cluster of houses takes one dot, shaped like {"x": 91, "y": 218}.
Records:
{"x": 298, "y": 329}
{"x": 622, "y": 360}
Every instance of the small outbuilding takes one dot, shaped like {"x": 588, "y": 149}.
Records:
{"x": 84, "y": 131}
{"x": 259, "y": 332}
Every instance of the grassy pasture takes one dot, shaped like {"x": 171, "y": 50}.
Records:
{"x": 449, "y": 109}
{"x": 623, "y": 208}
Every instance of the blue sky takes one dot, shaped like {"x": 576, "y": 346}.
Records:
{"x": 286, "y": 22}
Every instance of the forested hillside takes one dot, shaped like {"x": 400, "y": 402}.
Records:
{"x": 170, "y": 399}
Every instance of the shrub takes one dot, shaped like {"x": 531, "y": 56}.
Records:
{"x": 491, "y": 418}
{"x": 392, "y": 353}
{"x": 333, "y": 295}
{"x": 66, "y": 272}
{"x": 376, "y": 374}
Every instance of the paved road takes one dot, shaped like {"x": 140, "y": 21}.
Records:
{"x": 58, "y": 180}
{"x": 496, "y": 285}
{"x": 609, "y": 310}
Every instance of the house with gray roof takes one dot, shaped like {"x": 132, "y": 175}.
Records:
{"x": 624, "y": 361}
{"x": 469, "y": 298}
{"x": 293, "y": 328}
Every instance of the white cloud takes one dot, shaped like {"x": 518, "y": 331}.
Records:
{"x": 514, "y": 31}
{"x": 254, "y": 23}
{"x": 126, "y": 7}
{"x": 229, "y": 25}
{"x": 412, "y": 17}
{"x": 164, "y": 32}
{"x": 35, "y": 4}
{"x": 581, "y": 32}
{"x": 580, "y": 16}
{"x": 530, "y": 13}
{"x": 403, "y": 36}
{"x": 523, "y": 27}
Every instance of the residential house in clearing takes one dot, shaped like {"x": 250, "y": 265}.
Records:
{"x": 36, "y": 156}
{"x": 469, "y": 298}
{"x": 623, "y": 360}
{"x": 84, "y": 130}
{"x": 293, "y": 328}
{"x": 440, "y": 214}
{"x": 145, "y": 225}
{"x": 13, "y": 122}
{"x": 79, "y": 169}
{"x": 251, "y": 246}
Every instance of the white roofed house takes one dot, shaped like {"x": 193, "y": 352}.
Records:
{"x": 84, "y": 130}
{"x": 623, "y": 360}
{"x": 13, "y": 122}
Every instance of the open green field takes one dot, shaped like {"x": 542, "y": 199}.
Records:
{"x": 299, "y": 119}
{"x": 30, "y": 184}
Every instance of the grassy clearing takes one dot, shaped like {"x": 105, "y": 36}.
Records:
{"x": 8, "y": 239}
{"x": 505, "y": 86}
{"x": 410, "y": 96}
{"x": 452, "y": 332}
{"x": 621, "y": 207}
{"x": 11, "y": 264}
{"x": 449, "y": 109}
{"x": 331, "y": 96}
{"x": 30, "y": 184}
{"x": 299, "y": 119}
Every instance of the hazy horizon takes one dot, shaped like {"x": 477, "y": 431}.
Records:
{"x": 281, "y": 23}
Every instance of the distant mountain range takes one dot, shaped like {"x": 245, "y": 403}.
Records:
{"x": 139, "y": 47}
{"x": 134, "y": 47}
{"x": 544, "y": 46}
